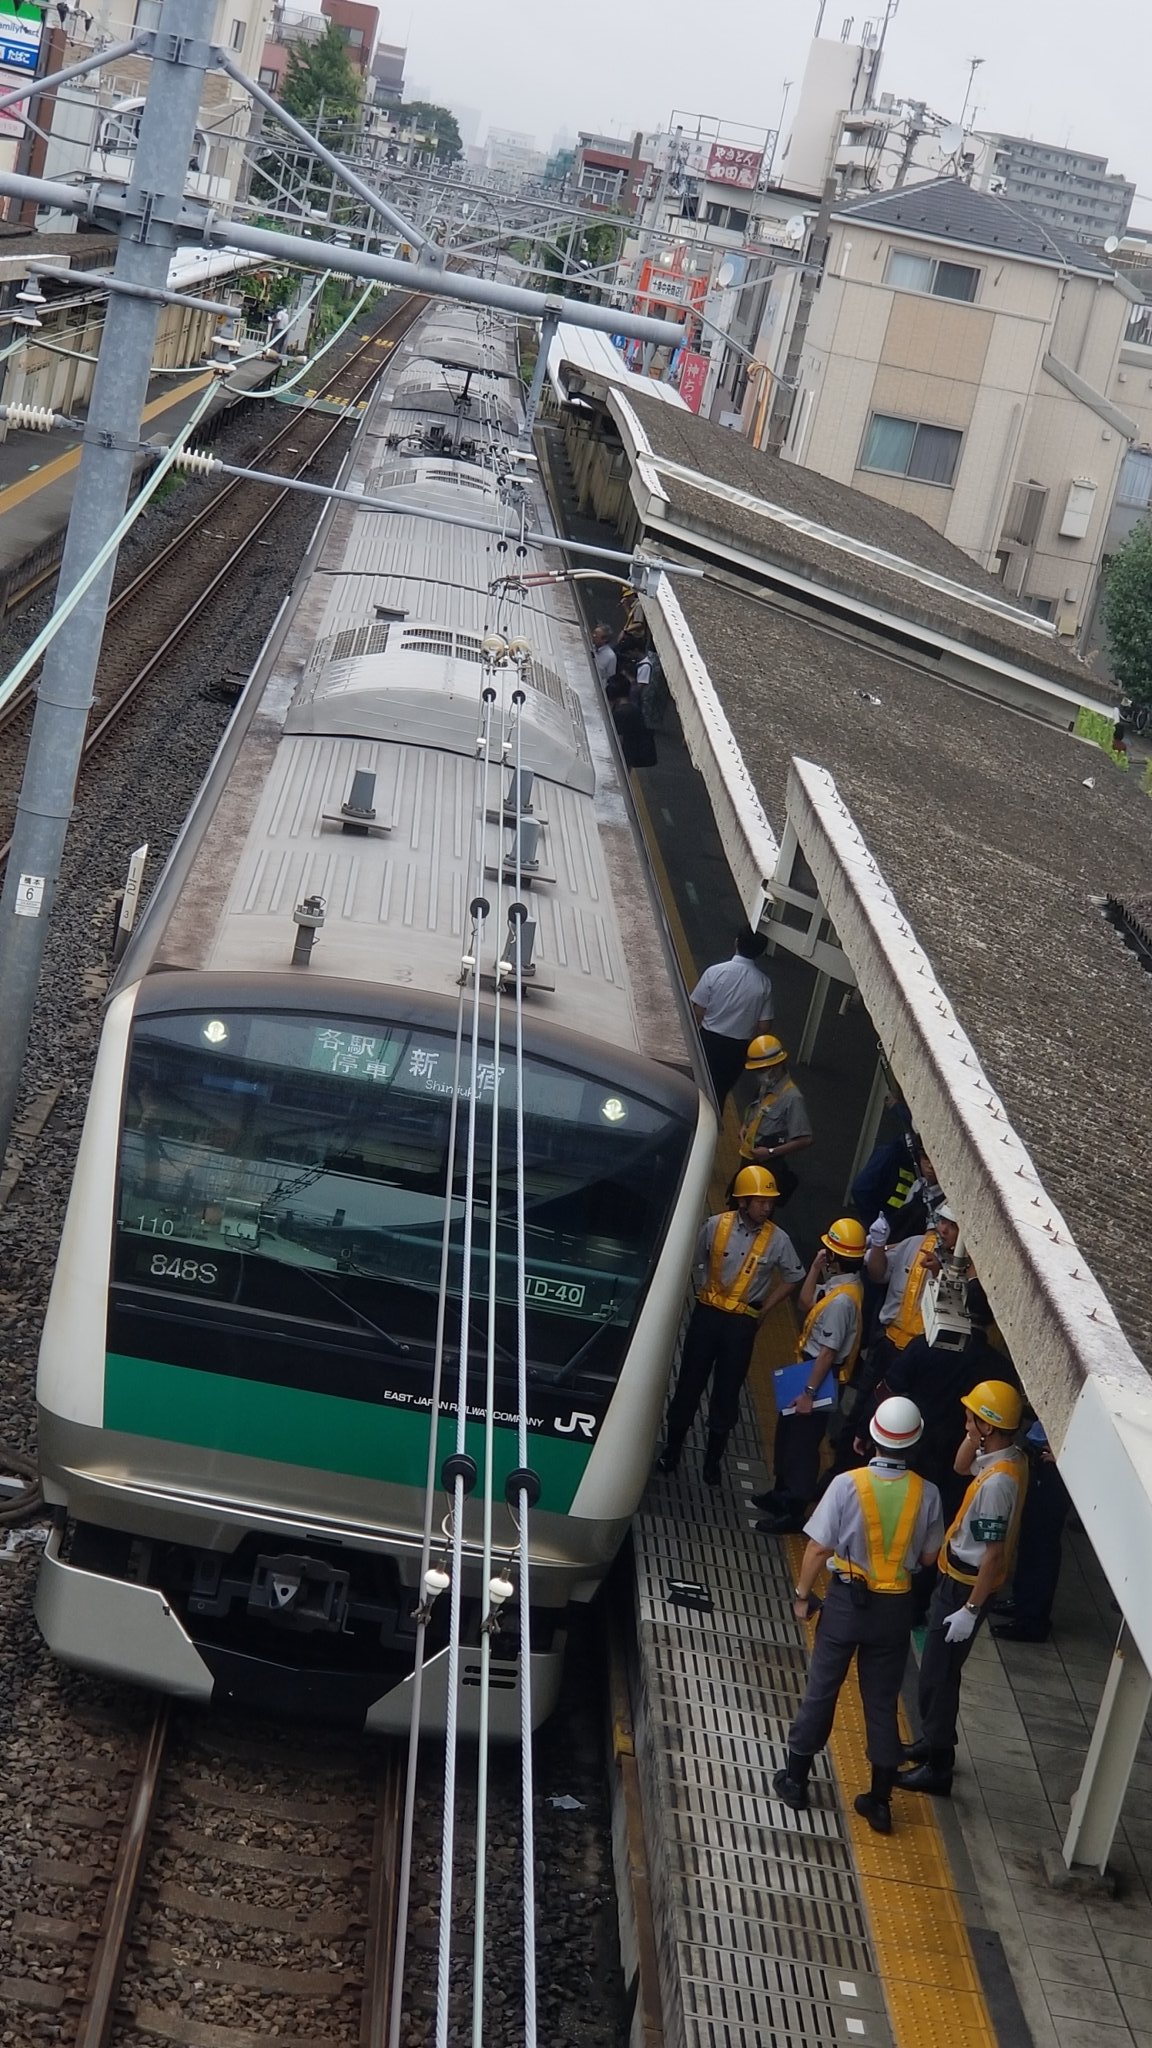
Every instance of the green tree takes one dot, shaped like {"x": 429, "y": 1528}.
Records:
{"x": 320, "y": 81}
{"x": 1128, "y": 613}
{"x": 435, "y": 121}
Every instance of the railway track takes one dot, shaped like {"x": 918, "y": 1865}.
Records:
{"x": 239, "y": 1884}
{"x": 154, "y": 612}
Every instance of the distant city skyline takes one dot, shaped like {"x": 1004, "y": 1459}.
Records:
{"x": 1043, "y": 73}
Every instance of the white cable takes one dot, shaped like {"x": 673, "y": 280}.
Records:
{"x": 527, "y": 1783}
{"x": 486, "y": 1576}
{"x": 448, "y": 1846}
{"x": 65, "y": 606}
{"x": 431, "y": 1485}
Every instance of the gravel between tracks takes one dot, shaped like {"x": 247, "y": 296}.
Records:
{"x": 64, "y": 1737}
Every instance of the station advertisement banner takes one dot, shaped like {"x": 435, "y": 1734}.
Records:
{"x": 693, "y": 377}
{"x": 21, "y": 27}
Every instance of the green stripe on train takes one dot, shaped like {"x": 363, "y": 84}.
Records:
{"x": 328, "y": 1432}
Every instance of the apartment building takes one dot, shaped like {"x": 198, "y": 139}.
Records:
{"x": 960, "y": 361}
{"x": 1065, "y": 188}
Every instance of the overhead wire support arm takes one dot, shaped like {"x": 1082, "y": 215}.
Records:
{"x": 341, "y": 170}
{"x": 51, "y": 79}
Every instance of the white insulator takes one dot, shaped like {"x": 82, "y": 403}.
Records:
{"x": 495, "y": 646}
{"x": 521, "y": 650}
{"x": 194, "y": 462}
{"x": 37, "y": 419}
{"x": 436, "y": 1581}
{"x": 500, "y": 1590}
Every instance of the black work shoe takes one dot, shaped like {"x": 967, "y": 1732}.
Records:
{"x": 712, "y": 1475}
{"x": 770, "y": 1501}
{"x": 927, "y": 1777}
{"x": 918, "y": 1752}
{"x": 876, "y": 1812}
{"x": 791, "y": 1791}
{"x": 1021, "y": 1632}
{"x": 780, "y": 1525}
{"x": 667, "y": 1462}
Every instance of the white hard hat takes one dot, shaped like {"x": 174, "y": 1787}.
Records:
{"x": 897, "y": 1424}
{"x": 946, "y": 1215}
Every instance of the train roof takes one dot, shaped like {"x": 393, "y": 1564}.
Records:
{"x": 370, "y": 699}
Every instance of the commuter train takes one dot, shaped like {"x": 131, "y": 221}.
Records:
{"x": 236, "y": 1365}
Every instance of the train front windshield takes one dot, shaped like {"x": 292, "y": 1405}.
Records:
{"x": 282, "y": 1171}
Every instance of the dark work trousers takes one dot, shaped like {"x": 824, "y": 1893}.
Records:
{"x": 942, "y": 1664}
{"x": 1038, "y": 1557}
{"x": 724, "y": 1058}
{"x": 877, "y": 1635}
{"x": 796, "y": 1458}
{"x": 717, "y": 1342}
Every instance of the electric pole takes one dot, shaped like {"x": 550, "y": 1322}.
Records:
{"x": 147, "y": 239}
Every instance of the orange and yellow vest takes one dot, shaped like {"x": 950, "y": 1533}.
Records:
{"x": 731, "y": 1298}
{"x": 908, "y": 1322}
{"x": 889, "y": 1508}
{"x": 749, "y": 1130}
{"x": 1017, "y": 1469}
{"x": 854, "y": 1286}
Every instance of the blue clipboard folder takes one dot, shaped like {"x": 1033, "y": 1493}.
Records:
{"x": 790, "y": 1381}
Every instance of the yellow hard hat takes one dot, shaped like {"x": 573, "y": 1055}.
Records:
{"x": 847, "y": 1238}
{"x": 765, "y": 1052}
{"x": 996, "y": 1402}
{"x": 755, "y": 1180}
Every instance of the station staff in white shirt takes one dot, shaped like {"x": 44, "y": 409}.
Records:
{"x": 732, "y": 1003}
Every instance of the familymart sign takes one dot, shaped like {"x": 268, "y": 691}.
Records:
{"x": 21, "y": 27}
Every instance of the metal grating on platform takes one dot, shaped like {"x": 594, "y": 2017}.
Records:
{"x": 761, "y": 1931}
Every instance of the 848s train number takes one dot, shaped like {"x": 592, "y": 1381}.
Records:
{"x": 200, "y": 1272}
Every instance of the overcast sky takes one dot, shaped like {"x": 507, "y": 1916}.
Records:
{"x": 1062, "y": 70}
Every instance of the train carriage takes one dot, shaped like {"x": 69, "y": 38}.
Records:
{"x": 264, "y": 1250}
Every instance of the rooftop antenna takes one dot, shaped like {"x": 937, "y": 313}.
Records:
{"x": 974, "y": 64}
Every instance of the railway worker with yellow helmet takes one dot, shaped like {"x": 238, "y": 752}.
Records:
{"x": 975, "y": 1560}
{"x": 777, "y": 1124}
{"x": 832, "y": 1304}
{"x": 744, "y": 1266}
{"x": 873, "y": 1529}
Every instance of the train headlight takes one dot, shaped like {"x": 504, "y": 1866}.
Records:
{"x": 216, "y": 1031}
{"x": 612, "y": 1110}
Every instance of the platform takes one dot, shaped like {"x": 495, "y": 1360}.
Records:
{"x": 795, "y": 1930}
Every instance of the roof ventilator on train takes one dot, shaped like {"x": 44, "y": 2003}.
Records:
{"x": 357, "y": 814}
{"x": 308, "y": 917}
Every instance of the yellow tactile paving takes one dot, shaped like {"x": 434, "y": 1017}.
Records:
{"x": 26, "y": 487}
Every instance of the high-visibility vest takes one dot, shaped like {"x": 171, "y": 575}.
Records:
{"x": 732, "y": 1298}
{"x": 884, "y": 1569}
{"x": 1017, "y": 1470}
{"x": 908, "y": 1321}
{"x": 749, "y": 1135}
{"x": 906, "y": 1180}
{"x": 849, "y": 1285}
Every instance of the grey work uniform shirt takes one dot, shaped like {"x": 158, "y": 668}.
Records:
{"x": 838, "y": 1324}
{"x": 775, "y": 1118}
{"x": 735, "y": 996}
{"x": 606, "y": 662}
{"x": 837, "y": 1523}
{"x": 778, "y": 1261}
{"x": 988, "y": 1517}
{"x": 900, "y": 1261}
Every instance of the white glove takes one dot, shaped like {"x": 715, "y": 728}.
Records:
{"x": 960, "y": 1625}
{"x": 879, "y": 1233}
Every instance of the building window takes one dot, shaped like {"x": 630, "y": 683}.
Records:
{"x": 911, "y": 448}
{"x": 238, "y": 35}
{"x": 269, "y": 78}
{"x": 927, "y": 274}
